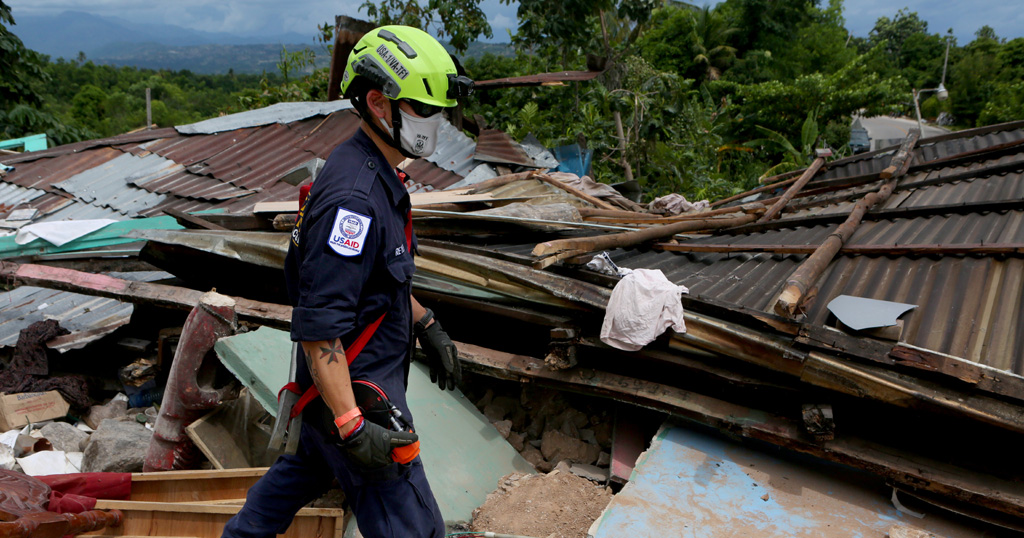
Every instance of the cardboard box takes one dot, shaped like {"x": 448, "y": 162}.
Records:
{"x": 17, "y": 410}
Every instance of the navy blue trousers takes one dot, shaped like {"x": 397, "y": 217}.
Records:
{"x": 393, "y": 503}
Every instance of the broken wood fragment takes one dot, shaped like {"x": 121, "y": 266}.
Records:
{"x": 500, "y": 181}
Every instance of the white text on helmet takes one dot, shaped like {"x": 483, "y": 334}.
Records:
{"x": 392, "y": 62}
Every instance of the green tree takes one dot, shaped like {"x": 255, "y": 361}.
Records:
{"x": 461, "y": 21}
{"x": 893, "y": 34}
{"x": 712, "y": 53}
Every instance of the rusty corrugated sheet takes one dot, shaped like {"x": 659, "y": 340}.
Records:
{"x": 43, "y": 172}
{"x": 537, "y": 80}
{"x": 496, "y": 146}
{"x": 266, "y": 155}
{"x": 320, "y": 136}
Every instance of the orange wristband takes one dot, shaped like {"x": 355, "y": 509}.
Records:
{"x": 347, "y": 417}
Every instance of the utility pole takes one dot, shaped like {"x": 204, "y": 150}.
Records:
{"x": 149, "y": 110}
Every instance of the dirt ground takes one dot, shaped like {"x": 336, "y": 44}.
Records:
{"x": 554, "y": 505}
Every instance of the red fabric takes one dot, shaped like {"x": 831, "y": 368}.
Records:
{"x": 74, "y": 493}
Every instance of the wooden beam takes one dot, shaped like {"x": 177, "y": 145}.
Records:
{"x": 273, "y": 315}
{"x": 807, "y": 274}
{"x": 583, "y": 245}
{"x": 793, "y": 189}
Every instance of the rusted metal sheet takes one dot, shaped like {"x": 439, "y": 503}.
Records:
{"x": 495, "y": 146}
{"x": 321, "y": 135}
{"x": 267, "y": 155}
{"x": 40, "y": 173}
{"x": 543, "y": 79}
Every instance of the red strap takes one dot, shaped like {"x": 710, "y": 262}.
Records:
{"x": 291, "y": 387}
{"x": 352, "y": 351}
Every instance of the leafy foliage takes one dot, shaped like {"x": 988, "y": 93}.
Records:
{"x": 460, "y": 21}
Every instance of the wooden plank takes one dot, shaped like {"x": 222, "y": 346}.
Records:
{"x": 205, "y": 521}
{"x": 228, "y": 436}
{"x": 980, "y": 376}
{"x": 270, "y": 314}
{"x": 500, "y": 181}
{"x": 419, "y": 213}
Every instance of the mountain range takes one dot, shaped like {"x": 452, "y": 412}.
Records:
{"x": 71, "y": 32}
{"x": 115, "y": 41}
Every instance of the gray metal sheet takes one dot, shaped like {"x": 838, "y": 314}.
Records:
{"x": 110, "y": 184}
{"x": 454, "y": 151}
{"x": 279, "y": 113}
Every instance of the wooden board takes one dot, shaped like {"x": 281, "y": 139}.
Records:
{"x": 230, "y": 437}
{"x": 208, "y": 520}
{"x": 194, "y": 486}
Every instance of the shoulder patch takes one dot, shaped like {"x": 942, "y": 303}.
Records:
{"x": 349, "y": 232}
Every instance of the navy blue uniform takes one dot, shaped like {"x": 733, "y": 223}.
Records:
{"x": 348, "y": 263}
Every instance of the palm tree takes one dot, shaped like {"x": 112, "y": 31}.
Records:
{"x": 711, "y": 52}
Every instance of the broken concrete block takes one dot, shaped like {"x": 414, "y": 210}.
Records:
{"x": 590, "y": 472}
{"x": 556, "y": 446}
{"x": 516, "y": 440}
{"x": 603, "y": 434}
{"x": 604, "y": 459}
{"x": 115, "y": 408}
{"x": 532, "y": 455}
{"x": 64, "y": 437}
{"x": 575, "y": 417}
{"x": 487, "y": 399}
{"x": 504, "y": 427}
{"x": 588, "y": 436}
{"x": 563, "y": 467}
{"x": 117, "y": 446}
{"x": 499, "y": 408}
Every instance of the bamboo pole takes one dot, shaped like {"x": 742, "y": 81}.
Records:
{"x": 807, "y": 274}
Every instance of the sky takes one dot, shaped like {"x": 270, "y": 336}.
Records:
{"x": 248, "y": 17}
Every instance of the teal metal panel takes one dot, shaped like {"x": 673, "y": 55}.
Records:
{"x": 31, "y": 143}
{"x": 690, "y": 484}
{"x": 105, "y": 237}
{"x": 259, "y": 359}
{"x": 463, "y": 454}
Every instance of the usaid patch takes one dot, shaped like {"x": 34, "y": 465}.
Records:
{"x": 349, "y": 232}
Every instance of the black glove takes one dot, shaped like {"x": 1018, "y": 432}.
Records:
{"x": 442, "y": 357}
{"x": 370, "y": 447}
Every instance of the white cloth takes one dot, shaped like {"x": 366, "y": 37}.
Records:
{"x": 60, "y": 232}
{"x": 643, "y": 304}
{"x": 675, "y": 204}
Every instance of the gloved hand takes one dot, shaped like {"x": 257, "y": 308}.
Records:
{"x": 370, "y": 447}
{"x": 442, "y": 357}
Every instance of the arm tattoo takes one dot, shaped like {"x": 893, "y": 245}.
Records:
{"x": 334, "y": 352}
{"x": 312, "y": 371}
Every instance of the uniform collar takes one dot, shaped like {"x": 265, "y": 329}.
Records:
{"x": 396, "y": 189}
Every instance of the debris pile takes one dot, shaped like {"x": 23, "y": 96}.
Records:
{"x": 860, "y": 313}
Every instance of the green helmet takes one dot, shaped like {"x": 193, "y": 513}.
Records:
{"x": 406, "y": 63}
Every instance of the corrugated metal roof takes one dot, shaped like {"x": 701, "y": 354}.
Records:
{"x": 496, "y": 146}
{"x": 110, "y": 184}
{"x": 280, "y": 113}
{"x": 454, "y": 151}
{"x": 26, "y": 305}
{"x": 42, "y": 173}
{"x": 13, "y": 196}
{"x": 261, "y": 161}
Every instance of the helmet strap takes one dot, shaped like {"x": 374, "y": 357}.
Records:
{"x": 396, "y": 125}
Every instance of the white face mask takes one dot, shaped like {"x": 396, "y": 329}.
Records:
{"x": 419, "y": 135}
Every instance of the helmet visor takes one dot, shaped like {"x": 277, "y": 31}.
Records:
{"x": 423, "y": 110}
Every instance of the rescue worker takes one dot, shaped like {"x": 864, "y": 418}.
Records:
{"x": 349, "y": 271}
